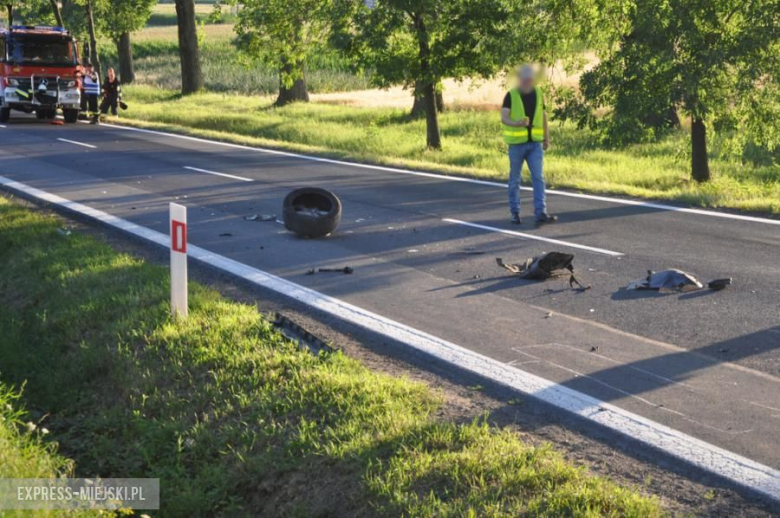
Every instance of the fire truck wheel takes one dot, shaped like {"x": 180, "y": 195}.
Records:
{"x": 5, "y": 114}
{"x": 70, "y": 115}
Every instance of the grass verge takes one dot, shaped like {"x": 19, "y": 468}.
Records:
{"x": 24, "y": 452}
{"x": 236, "y": 420}
{"x": 472, "y": 147}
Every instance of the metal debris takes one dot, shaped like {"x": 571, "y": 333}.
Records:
{"x": 346, "y": 270}
{"x": 667, "y": 280}
{"x": 719, "y": 284}
{"x": 63, "y": 231}
{"x": 261, "y": 217}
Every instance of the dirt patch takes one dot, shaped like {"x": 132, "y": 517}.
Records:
{"x": 682, "y": 490}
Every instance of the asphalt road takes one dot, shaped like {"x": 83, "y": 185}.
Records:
{"x": 705, "y": 363}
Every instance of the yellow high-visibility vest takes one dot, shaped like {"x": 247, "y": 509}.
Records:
{"x": 517, "y": 135}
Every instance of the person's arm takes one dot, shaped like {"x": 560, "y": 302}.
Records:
{"x": 546, "y": 143}
{"x": 507, "y": 119}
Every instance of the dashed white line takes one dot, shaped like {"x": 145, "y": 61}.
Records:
{"x": 534, "y": 237}
{"x": 2, "y": 126}
{"x": 77, "y": 143}
{"x": 234, "y": 177}
{"x": 731, "y": 466}
{"x": 620, "y": 201}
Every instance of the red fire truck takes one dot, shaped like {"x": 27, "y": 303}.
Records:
{"x": 39, "y": 72}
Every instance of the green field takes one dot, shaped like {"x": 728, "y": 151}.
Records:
{"x": 156, "y": 59}
{"x": 472, "y": 147}
{"x": 233, "y": 418}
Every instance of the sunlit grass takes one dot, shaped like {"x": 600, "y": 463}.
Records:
{"x": 231, "y": 416}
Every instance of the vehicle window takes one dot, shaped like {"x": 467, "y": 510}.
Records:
{"x": 40, "y": 50}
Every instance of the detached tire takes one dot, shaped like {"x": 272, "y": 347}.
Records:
{"x": 311, "y": 212}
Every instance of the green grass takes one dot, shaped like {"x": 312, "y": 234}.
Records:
{"x": 156, "y": 61}
{"x": 25, "y": 451}
{"x": 236, "y": 420}
{"x": 472, "y": 147}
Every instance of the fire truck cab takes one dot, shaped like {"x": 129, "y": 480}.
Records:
{"x": 39, "y": 72}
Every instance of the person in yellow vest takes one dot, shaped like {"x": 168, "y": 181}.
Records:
{"x": 524, "y": 125}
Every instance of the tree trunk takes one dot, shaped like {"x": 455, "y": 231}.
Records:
{"x": 189, "y": 53}
{"x": 418, "y": 108}
{"x": 297, "y": 93}
{"x": 93, "y": 53}
{"x": 10, "y": 9}
{"x": 433, "y": 137}
{"x": 125, "y": 53}
{"x": 700, "y": 168}
{"x": 57, "y": 15}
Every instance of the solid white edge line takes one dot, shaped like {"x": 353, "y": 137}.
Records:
{"x": 218, "y": 174}
{"x": 77, "y": 143}
{"x": 607, "y": 199}
{"x": 731, "y": 466}
{"x": 534, "y": 237}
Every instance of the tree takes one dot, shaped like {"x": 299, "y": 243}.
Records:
{"x": 93, "y": 52}
{"x": 118, "y": 19}
{"x": 189, "y": 52}
{"x": 705, "y": 57}
{"x": 420, "y": 42}
{"x": 55, "y": 7}
{"x": 281, "y": 33}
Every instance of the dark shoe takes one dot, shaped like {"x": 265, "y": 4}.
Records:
{"x": 95, "y": 120}
{"x": 546, "y": 218}
{"x": 515, "y": 219}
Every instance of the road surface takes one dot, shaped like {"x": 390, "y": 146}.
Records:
{"x": 423, "y": 249}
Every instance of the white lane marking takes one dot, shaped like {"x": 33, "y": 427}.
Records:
{"x": 219, "y": 174}
{"x": 534, "y": 237}
{"x": 2, "y": 126}
{"x": 736, "y": 468}
{"x": 77, "y": 143}
{"x": 620, "y": 201}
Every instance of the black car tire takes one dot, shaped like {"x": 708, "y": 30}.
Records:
{"x": 298, "y": 208}
{"x": 70, "y": 115}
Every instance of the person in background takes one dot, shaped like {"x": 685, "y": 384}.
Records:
{"x": 524, "y": 125}
{"x": 112, "y": 94}
{"x": 90, "y": 94}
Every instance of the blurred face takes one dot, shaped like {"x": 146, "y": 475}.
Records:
{"x": 111, "y": 74}
{"x": 526, "y": 81}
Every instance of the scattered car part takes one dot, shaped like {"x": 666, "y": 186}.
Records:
{"x": 551, "y": 264}
{"x": 676, "y": 280}
{"x": 261, "y": 217}
{"x": 719, "y": 284}
{"x": 300, "y": 335}
{"x": 311, "y": 212}
{"x": 346, "y": 270}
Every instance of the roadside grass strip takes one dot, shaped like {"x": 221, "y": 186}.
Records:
{"x": 25, "y": 451}
{"x": 235, "y": 419}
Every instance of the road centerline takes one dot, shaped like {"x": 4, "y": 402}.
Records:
{"x": 77, "y": 143}
{"x": 535, "y": 237}
{"x": 215, "y": 173}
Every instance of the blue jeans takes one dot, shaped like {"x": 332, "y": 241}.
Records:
{"x": 532, "y": 153}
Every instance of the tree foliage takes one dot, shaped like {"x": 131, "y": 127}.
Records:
{"x": 281, "y": 34}
{"x": 715, "y": 60}
{"x": 421, "y": 42}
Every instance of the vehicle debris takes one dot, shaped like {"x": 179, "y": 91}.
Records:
{"x": 719, "y": 284}
{"x": 549, "y": 265}
{"x": 346, "y": 270}
{"x": 261, "y": 217}
{"x": 311, "y": 212}
{"x": 226, "y": 234}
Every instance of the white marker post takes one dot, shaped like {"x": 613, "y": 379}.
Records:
{"x": 178, "y": 230}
